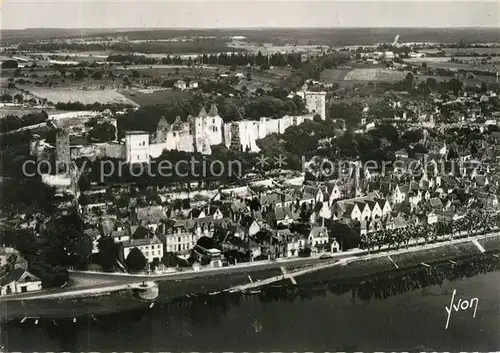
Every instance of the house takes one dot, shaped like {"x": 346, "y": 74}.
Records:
{"x": 7, "y": 255}
{"x": 335, "y": 193}
{"x": 335, "y": 246}
{"x": 178, "y": 239}
{"x": 384, "y": 205}
{"x": 432, "y": 218}
{"x": 365, "y": 210}
{"x": 180, "y": 84}
{"x": 242, "y": 246}
{"x": 286, "y": 215}
{"x": 399, "y": 194}
{"x": 151, "y": 216}
{"x": 318, "y": 236}
{"x": 375, "y": 210}
{"x": 292, "y": 245}
{"x": 19, "y": 281}
{"x": 436, "y": 204}
{"x": 249, "y": 225}
{"x": 152, "y": 249}
{"x": 352, "y": 212}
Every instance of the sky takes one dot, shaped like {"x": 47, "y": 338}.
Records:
{"x": 18, "y": 14}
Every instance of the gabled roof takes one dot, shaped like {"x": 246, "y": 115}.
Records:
{"x": 202, "y": 113}
{"x": 15, "y": 275}
{"x": 140, "y": 242}
{"x": 163, "y": 124}
{"x": 246, "y": 221}
{"x": 151, "y": 214}
{"x": 213, "y": 111}
{"x": 316, "y": 231}
{"x": 436, "y": 203}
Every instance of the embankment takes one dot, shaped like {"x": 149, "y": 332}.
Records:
{"x": 403, "y": 260}
{"x": 214, "y": 281}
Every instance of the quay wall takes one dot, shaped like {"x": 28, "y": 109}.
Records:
{"x": 204, "y": 282}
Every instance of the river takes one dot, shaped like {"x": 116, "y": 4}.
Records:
{"x": 397, "y": 312}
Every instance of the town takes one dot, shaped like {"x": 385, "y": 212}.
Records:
{"x": 369, "y": 148}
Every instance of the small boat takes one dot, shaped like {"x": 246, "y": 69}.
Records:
{"x": 151, "y": 306}
{"x": 54, "y": 322}
{"x": 234, "y": 290}
{"x": 36, "y": 322}
{"x": 93, "y": 317}
{"x": 74, "y": 319}
{"x": 23, "y": 320}
{"x": 254, "y": 291}
{"x": 214, "y": 293}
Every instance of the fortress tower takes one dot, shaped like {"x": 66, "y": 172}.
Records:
{"x": 315, "y": 103}
{"x": 137, "y": 147}
{"x": 162, "y": 130}
{"x": 207, "y": 128}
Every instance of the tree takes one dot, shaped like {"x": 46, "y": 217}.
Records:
{"x": 136, "y": 261}
{"x": 63, "y": 242}
{"x": 419, "y": 148}
{"x": 5, "y": 98}
{"x": 102, "y": 132}
{"x": 19, "y": 98}
{"x": 79, "y": 74}
{"x": 345, "y": 235}
{"x": 9, "y": 64}
{"x": 108, "y": 252}
{"x": 97, "y": 75}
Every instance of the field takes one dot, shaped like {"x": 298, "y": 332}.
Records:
{"x": 168, "y": 70}
{"x": 380, "y": 74}
{"x": 466, "y": 66}
{"x": 158, "y": 97}
{"x": 333, "y": 75}
{"x": 85, "y": 97}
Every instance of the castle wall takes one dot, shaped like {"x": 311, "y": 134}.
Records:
{"x": 285, "y": 122}
{"x": 114, "y": 150}
{"x": 156, "y": 149}
{"x": 227, "y": 134}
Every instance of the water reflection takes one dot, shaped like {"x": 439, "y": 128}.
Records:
{"x": 184, "y": 316}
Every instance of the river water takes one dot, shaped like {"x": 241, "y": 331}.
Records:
{"x": 401, "y": 312}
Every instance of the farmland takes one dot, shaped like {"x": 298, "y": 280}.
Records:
{"x": 465, "y": 65}
{"x": 333, "y": 75}
{"x": 380, "y": 74}
{"x": 85, "y": 97}
{"x": 158, "y": 97}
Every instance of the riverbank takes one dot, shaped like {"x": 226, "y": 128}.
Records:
{"x": 359, "y": 263}
{"x": 396, "y": 261}
{"x": 303, "y": 274}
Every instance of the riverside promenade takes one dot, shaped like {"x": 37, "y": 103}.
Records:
{"x": 109, "y": 282}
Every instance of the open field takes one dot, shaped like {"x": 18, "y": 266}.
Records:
{"x": 333, "y": 75}
{"x": 158, "y": 97}
{"x": 168, "y": 70}
{"x": 24, "y": 111}
{"x": 85, "y": 97}
{"x": 481, "y": 51}
{"x": 380, "y": 74}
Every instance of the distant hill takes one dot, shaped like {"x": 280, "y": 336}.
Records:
{"x": 324, "y": 36}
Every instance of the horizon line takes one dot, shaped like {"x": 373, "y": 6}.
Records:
{"x": 243, "y": 28}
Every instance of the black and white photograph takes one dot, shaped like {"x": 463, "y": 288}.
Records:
{"x": 249, "y": 176}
